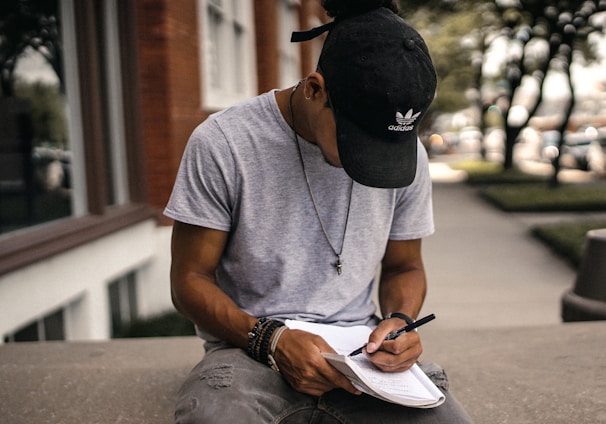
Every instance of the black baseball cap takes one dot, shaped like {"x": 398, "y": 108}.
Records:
{"x": 380, "y": 81}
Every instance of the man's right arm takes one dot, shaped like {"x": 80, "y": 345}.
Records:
{"x": 196, "y": 252}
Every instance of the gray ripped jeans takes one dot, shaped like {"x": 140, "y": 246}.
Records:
{"x": 227, "y": 386}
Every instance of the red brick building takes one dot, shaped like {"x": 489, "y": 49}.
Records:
{"x": 172, "y": 72}
{"x": 83, "y": 245}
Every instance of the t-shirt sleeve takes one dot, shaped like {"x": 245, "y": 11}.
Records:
{"x": 203, "y": 190}
{"x": 413, "y": 215}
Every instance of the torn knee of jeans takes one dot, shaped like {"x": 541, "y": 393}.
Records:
{"x": 436, "y": 374}
{"x": 439, "y": 378}
{"x": 194, "y": 403}
{"x": 219, "y": 376}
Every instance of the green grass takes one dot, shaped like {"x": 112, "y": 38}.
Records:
{"x": 478, "y": 167}
{"x": 567, "y": 240}
{"x": 483, "y": 172}
{"x": 515, "y": 191}
{"x": 165, "y": 325}
{"x": 541, "y": 198}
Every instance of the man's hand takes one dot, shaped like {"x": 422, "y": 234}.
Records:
{"x": 393, "y": 355}
{"x": 299, "y": 357}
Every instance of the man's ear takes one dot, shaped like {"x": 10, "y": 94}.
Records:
{"x": 315, "y": 87}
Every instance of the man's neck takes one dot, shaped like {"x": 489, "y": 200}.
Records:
{"x": 283, "y": 98}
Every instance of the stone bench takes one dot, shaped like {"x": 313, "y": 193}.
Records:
{"x": 554, "y": 374}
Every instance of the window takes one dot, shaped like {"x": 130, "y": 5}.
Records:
{"x": 123, "y": 302}
{"x": 69, "y": 140}
{"x": 35, "y": 154}
{"x": 227, "y": 44}
{"x": 290, "y": 62}
{"x": 50, "y": 327}
{"x": 42, "y": 169}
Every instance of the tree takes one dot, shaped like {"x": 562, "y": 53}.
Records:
{"x": 541, "y": 37}
{"x": 32, "y": 25}
{"x": 446, "y": 26}
{"x": 28, "y": 24}
{"x": 47, "y": 108}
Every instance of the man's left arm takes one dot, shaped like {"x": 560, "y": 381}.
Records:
{"x": 403, "y": 282}
{"x": 402, "y": 289}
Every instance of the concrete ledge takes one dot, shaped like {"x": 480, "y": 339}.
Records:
{"x": 527, "y": 375}
{"x": 553, "y": 374}
{"x": 121, "y": 381}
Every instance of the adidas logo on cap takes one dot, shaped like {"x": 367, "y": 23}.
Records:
{"x": 405, "y": 122}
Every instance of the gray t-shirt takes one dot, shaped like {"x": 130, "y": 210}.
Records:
{"x": 241, "y": 173}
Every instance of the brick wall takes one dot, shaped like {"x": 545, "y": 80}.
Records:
{"x": 169, "y": 71}
{"x": 170, "y": 85}
{"x": 311, "y": 15}
{"x": 268, "y": 72}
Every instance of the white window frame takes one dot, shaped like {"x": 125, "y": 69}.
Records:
{"x": 115, "y": 98}
{"x": 74, "y": 106}
{"x": 227, "y": 52}
{"x": 119, "y": 172}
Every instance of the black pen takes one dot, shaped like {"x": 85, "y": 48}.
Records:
{"x": 396, "y": 334}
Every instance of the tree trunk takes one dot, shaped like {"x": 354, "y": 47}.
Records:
{"x": 554, "y": 181}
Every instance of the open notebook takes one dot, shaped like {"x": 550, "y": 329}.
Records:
{"x": 410, "y": 388}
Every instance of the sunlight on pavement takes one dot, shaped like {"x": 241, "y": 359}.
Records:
{"x": 442, "y": 173}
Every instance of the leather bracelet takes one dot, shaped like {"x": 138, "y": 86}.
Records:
{"x": 272, "y": 348}
{"x": 400, "y": 315}
{"x": 265, "y": 339}
{"x": 259, "y": 338}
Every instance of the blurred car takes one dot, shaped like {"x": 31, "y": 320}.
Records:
{"x": 584, "y": 149}
{"x": 550, "y": 145}
{"x": 470, "y": 140}
{"x": 441, "y": 143}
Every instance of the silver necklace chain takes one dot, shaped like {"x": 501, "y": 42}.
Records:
{"x": 339, "y": 263}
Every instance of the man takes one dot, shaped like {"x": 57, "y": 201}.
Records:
{"x": 285, "y": 206}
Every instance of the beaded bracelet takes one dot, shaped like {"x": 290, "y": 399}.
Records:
{"x": 253, "y": 336}
{"x": 259, "y": 340}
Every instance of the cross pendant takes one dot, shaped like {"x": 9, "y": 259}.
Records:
{"x": 339, "y": 265}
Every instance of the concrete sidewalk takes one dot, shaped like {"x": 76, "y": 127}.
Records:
{"x": 484, "y": 268}
{"x": 496, "y": 292}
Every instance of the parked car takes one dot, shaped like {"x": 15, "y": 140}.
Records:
{"x": 584, "y": 149}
